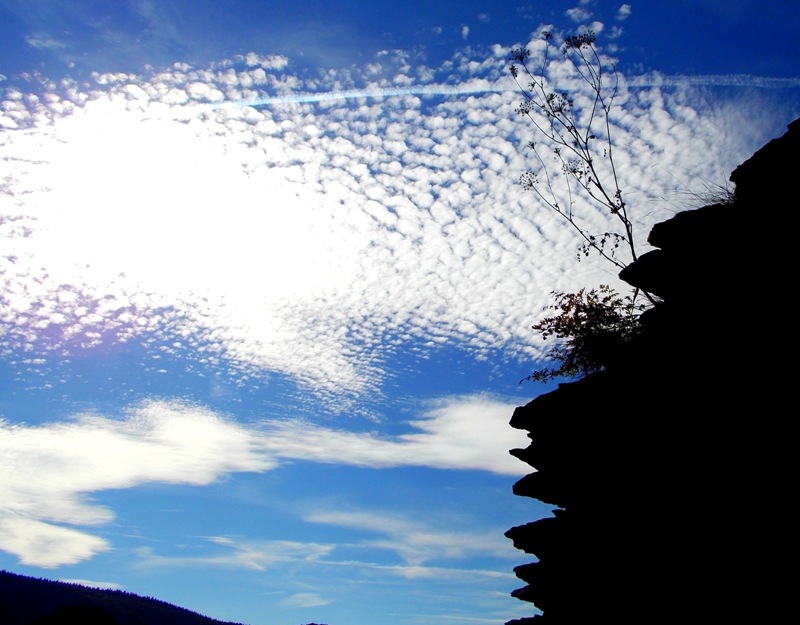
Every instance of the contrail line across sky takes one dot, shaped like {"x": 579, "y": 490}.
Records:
{"x": 634, "y": 82}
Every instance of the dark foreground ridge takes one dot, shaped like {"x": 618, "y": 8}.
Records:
{"x": 672, "y": 469}
{"x": 31, "y": 601}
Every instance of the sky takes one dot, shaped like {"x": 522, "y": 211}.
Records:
{"x": 269, "y": 276}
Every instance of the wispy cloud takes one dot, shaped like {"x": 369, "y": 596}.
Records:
{"x": 455, "y": 433}
{"x": 47, "y": 471}
{"x": 44, "y": 42}
{"x": 253, "y": 555}
{"x": 93, "y": 584}
{"x": 415, "y": 542}
{"x": 415, "y": 550}
{"x": 378, "y": 557}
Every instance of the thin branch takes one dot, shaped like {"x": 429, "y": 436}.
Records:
{"x": 571, "y": 142}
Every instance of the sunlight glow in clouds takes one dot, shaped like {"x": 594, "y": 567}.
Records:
{"x": 322, "y": 259}
{"x": 316, "y": 238}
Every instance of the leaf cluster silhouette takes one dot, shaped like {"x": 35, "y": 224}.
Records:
{"x": 591, "y": 326}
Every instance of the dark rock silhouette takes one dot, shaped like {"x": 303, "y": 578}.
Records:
{"x": 671, "y": 468}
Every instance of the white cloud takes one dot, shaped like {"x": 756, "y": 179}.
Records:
{"x": 321, "y": 230}
{"x": 464, "y": 32}
{"x": 44, "y": 42}
{"x": 93, "y": 584}
{"x": 456, "y": 433}
{"x": 269, "y": 61}
{"x": 462, "y": 575}
{"x": 48, "y": 471}
{"x": 44, "y": 544}
{"x": 578, "y": 14}
{"x": 624, "y": 12}
{"x": 596, "y": 27}
{"x": 305, "y": 600}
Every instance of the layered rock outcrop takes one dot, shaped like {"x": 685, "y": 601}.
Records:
{"x": 671, "y": 470}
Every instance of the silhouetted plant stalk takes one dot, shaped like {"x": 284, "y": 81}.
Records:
{"x": 569, "y": 133}
{"x": 590, "y": 325}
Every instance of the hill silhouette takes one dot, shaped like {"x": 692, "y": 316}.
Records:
{"x": 32, "y": 601}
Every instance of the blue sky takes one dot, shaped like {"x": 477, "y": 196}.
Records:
{"x": 268, "y": 281}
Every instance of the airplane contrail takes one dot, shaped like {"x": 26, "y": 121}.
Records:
{"x": 713, "y": 80}
{"x": 633, "y": 82}
{"x": 304, "y": 98}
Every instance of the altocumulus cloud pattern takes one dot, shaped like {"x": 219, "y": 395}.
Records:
{"x": 208, "y": 270}
{"x": 311, "y": 227}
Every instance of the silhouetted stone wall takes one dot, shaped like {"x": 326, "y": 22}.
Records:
{"x": 672, "y": 469}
